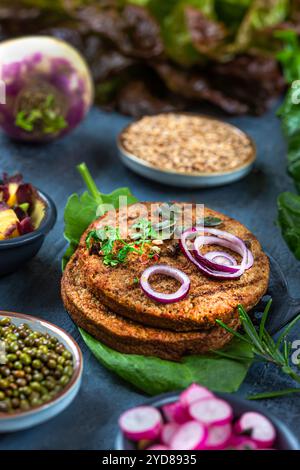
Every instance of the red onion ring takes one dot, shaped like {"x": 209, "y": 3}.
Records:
{"x": 238, "y": 247}
{"x": 221, "y": 257}
{"x": 210, "y": 268}
{"x": 227, "y": 244}
{"x": 168, "y": 271}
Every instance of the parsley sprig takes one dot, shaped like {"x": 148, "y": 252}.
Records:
{"x": 108, "y": 237}
{"x": 265, "y": 348}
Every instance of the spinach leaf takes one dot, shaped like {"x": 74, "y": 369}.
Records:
{"x": 81, "y": 210}
{"x": 153, "y": 375}
{"x": 289, "y": 220}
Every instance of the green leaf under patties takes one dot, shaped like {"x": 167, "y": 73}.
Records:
{"x": 153, "y": 375}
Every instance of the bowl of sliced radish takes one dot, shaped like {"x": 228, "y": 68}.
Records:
{"x": 198, "y": 419}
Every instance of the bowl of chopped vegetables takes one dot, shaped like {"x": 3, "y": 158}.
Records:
{"x": 40, "y": 371}
{"x": 198, "y": 419}
{"x": 26, "y": 216}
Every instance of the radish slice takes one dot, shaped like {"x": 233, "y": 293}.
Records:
{"x": 211, "y": 411}
{"x": 143, "y": 422}
{"x": 168, "y": 431}
{"x": 241, "y": 443}
{"x": 218, "y": 437}
{"x": 190, "y": 436}
{"x": 194, "y": 393}
{"x": 158, "y": 447}
{"x": 260, "y": 428}
{"x": 175, "y": 412}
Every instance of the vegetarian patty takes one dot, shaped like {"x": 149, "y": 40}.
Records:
{"x": 208, "y": 299}
{"x": 127, "y": 336}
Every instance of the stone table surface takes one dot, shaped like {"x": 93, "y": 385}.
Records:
{"x": 90, "y": 422}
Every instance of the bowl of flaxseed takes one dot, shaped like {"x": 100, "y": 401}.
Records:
{"x": 184, "y": 149}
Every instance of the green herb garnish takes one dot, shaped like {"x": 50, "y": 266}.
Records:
{"x": 212, "y": 221}
{"x": 108, "y": 238}
{"x": 46, "y": 117}
{"x": 264, "y": 347}
{"x": 144, "y": 231}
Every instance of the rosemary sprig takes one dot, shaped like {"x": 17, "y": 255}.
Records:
{"x": 265, "y": 348}
{"x": 275, "y": 394}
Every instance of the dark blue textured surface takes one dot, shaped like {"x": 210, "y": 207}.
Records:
{"x": 90, "y": 422}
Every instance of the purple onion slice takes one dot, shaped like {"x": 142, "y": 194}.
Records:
{"x": 209, "y": 267}
{"x": 180, "y": 294}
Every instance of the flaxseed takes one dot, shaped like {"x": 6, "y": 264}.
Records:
{"x": 188, "y": 143}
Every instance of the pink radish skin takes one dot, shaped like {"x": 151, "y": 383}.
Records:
{"x": 190, "y": 436}
{"x": 175, "y": 413}
{"x": 158, "y": 447}
{"x": 262, "y": 430}
{"x": 218, "y": 437}
{"x": 168, "y": 431}
{"x": 241, "y": 443}
{"x": 194, "y": 393}
{"x": 211, "y": 412}
{"x": 143, "y": 422}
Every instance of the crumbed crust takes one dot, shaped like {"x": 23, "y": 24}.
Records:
{"x": 129, "y": 337}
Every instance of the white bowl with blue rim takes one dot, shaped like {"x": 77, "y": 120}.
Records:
{"x": 20, "y": 420}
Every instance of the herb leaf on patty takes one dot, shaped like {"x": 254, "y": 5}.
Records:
{"x": 108, "y": 242}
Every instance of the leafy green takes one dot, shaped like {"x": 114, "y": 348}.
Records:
{"x": 80, "y": 211}
{"x": 46, "y": 117}
{"x": 289, "y": 55}
{"x": 154, "y": 375}
{"x": 176, "y": 36}
{"x": 231, "y": 12}
{"x": 289, "y": 113}
{"x": 260, "y": 15}
{"x": 289, "y": 220}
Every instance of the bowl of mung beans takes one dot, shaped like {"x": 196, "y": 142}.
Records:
{"x": 186, "y": 150}
{"x": 40, "y": 371}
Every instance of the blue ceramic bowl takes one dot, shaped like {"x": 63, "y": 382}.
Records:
{"x": 16, "y": 251}
{"x": 286, "y": 440}
{"x": 27, "y": 419}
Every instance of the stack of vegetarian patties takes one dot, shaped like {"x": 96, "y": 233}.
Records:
{"x": 106, "y": 298}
